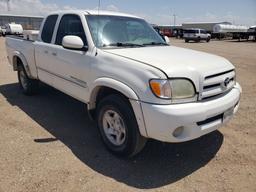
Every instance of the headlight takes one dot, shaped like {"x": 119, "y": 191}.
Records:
{"x": 182, "y": 89}
{"x": 179, "y": 90}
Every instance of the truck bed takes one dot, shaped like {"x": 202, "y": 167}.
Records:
{"x": 16, "y": 45}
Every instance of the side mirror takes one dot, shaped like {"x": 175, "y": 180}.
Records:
{"x": 73, "y": 42}
{"x": 167, "y": 40}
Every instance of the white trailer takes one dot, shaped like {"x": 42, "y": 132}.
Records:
{"x": 14, "y": 29}
{"x": 235, "y": 31}
{"x": 222, "y": 28}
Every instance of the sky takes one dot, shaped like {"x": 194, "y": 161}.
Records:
{"x": 239, "y": 12}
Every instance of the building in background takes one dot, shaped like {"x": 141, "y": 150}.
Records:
{"x": 27, "y": 22}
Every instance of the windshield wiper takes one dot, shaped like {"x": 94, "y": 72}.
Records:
{"x": 119, "y": 44}
{"x": 155, "y": 43}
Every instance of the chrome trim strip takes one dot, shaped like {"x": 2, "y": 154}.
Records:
{"x": 218, "y": 74}
{"x": 76, "y": 81}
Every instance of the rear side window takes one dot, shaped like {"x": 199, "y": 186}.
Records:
{"x": 203, "y": 32}
{"x": 49, "y": 28}
{"x": 70, "y": 25}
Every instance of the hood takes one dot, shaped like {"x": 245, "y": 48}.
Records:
{"x": 175, "y": 61}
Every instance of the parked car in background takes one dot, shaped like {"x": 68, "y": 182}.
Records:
{"x": 135, "y": 85}
{"x": 165, "y": 38}
{"x": 1, "y": 32}
{"x": 166, "y": 32}
{"x": 196, "y": 35}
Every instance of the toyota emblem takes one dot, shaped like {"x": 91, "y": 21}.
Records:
{"x": 225, "y": 83}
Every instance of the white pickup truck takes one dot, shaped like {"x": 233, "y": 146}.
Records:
{"x": 135, "y": 85}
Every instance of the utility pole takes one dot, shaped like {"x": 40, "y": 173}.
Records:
{"x": 7, "y": 4}
{"x": 174, "y": 19}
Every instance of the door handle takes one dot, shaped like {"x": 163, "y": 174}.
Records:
{"x": 54, "y": 53}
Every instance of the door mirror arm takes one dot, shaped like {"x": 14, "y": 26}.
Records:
{"x": 85, "y": 48}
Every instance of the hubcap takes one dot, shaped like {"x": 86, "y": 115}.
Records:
{"x": 23, "y": 80}
{"x": 114, "y": 127}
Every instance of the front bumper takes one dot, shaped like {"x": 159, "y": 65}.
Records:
{"x": 192, "y": 119}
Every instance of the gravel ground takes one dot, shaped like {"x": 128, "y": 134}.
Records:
{"x": 48, "y": 143}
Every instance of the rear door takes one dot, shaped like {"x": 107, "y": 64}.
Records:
{"x": 44, "y": 50}
{"x": 203, "y": 34}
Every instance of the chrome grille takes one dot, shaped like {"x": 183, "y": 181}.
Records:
{"x": 218, "y": 84}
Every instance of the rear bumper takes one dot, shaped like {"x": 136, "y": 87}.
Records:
{"x": 192, "y": 119}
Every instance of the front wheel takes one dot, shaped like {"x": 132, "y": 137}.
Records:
{"x": 208, "y": 39}
{"x": 28, "y": 86}
{"x": 118, "y": 126}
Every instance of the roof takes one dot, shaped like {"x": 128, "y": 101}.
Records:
{"x": 194, "y": 29}
{"x": 85, "y": 12}
{"x": 95, "y": 12}
{"x": 170, "y": 25}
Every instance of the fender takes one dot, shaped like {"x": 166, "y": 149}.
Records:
{"x": 24, "y": 62}
{"x": 113, "y": 84}
{"x": 125, "y": 90}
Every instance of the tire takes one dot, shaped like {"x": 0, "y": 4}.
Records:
{"x": 208, "y": 40}
{"x": 118, "y": 126}
{"x": 198, "y": 39}
{"x": 28, "y": 86}
{"x": 186, "y": 40}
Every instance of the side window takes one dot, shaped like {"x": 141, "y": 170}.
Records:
{"x": 70, "y": 25}
{"x": 49, "y": 28}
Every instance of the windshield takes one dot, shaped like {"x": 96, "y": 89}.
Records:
{"x": 109, "y": 31}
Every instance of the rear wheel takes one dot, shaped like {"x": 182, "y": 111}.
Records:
{"x": 118, "y": 126}
{"x": 29, "y": 86}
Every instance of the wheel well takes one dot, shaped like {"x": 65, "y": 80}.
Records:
{"x": 100, "y": 93}
{"x": 106, "y": 91}
{"x": 17, "y": 63}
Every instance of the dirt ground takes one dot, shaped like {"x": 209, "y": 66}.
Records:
{"x": 48, "y": 143}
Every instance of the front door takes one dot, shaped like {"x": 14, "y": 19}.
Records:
{"x": 71, "y": 68}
